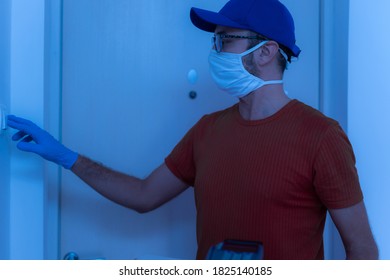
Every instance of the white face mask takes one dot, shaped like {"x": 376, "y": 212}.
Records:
{"x": 230, "y": 74}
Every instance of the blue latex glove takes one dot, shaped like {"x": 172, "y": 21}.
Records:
{"x": 45, "y": 145}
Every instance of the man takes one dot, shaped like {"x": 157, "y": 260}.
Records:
{"x": 265, "y": 170}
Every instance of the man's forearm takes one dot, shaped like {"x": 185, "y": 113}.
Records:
{"x": 368, "y": 252}
{"x": 118, "y": 187}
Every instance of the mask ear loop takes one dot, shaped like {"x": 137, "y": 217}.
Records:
{"x": 284, "y": 55}
{"x": 262, "y": 43}
{"x": 282, "y": 52}
{"x": 292, "y": 59}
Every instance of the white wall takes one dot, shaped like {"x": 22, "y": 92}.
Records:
{"x": 368, "y": 110}
{"x": 26, "y": 99}
{"x": 5, "y": 8}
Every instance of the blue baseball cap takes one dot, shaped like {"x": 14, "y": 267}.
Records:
{"x": 269, "y": 18}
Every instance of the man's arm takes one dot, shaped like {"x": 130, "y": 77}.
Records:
{"x": 140, "y": 195}
{"x": 137, "y": 194}
{"x": 353, "y": 226}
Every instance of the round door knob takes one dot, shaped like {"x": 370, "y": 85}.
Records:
{"x": 71, "y": 256}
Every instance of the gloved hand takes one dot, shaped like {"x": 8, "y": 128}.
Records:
{"x": 45, "y": 145}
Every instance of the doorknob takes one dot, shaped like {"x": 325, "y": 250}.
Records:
{"x": 72, "y": 256}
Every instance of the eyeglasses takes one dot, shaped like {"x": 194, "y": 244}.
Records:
{"x": 217, "y": 40}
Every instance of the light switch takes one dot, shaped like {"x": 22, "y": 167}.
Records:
{"x": 3, "y": 120}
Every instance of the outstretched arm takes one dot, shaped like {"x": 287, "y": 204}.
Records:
{"x": 137, "y": 194}
{"x": 141, "y": 195}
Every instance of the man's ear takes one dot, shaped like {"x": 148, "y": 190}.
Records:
{"x": 267, "y": 52}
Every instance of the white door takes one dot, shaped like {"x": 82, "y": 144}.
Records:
{"x": 126, "y": 103}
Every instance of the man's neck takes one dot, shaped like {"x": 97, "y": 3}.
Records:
{"x": 263, "y": 102}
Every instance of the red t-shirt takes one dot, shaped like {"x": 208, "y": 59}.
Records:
{"x": 269, "y": 180}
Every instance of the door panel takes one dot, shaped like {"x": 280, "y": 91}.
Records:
{"x": 125, "y": 102}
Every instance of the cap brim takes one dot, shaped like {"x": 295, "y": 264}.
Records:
{"x": 208, "y": 21}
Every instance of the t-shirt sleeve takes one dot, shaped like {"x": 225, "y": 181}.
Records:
{"x": 335, "y": 175}
{"x": 181, "y": 160}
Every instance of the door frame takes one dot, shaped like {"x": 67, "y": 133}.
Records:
{"x": 52, "y": 123}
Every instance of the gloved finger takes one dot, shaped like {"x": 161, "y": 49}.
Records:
{"x": 18, "y": 135}
{"x": 21, "y": 126}
{"x": 28, "y": 147}
{"x": 27, "y": 127}
{"x": 27, "y": 139}
{"x": 18, "y": 120}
